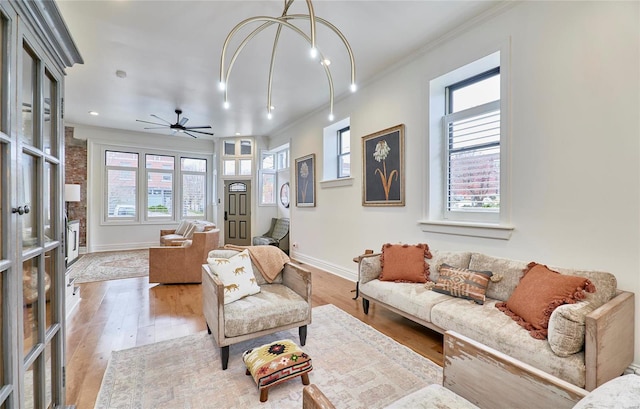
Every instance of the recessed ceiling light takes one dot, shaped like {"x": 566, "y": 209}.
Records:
{"x": 121, "y": 74}
{"x": 94, "y": 113}
{"x": 237, "y": 133}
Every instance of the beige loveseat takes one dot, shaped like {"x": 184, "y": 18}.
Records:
{"x": 601, "y": 327}
{"x": 476, "y": 376}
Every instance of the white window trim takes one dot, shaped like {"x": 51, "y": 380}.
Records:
{"x": 434, "y": 213}
{"x": 330, "y": 155}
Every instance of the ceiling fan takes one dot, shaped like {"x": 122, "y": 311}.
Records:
{"x": 178, "y": 126}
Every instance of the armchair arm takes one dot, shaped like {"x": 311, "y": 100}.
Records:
{"x": 213, "y": 303}
{"x": 369, "y": 267}
{"x": 298, "y": 279}
{"x": 165, "y": 232}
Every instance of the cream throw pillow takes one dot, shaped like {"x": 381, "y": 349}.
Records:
{"x": 190, "y": 230}
{"x": 236, "y": 275}
{"x": 182, "y": 227}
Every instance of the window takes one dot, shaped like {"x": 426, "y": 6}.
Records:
{"x": 126, "y": 190}
{"x": 467, "y": 180}
{"x": 159, "y": 186}
{"x": 270, "y": 163}
{"x": 344, "y": 153}
{"x": 237, "y": 157}
{"x": 122, "y": 174}
{"x": 194, "y": 177}
{"x": 472, "y": 128}
{"x": 337, "y": 151}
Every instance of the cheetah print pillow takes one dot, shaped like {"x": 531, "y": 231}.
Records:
{"x": 236, "y": 275}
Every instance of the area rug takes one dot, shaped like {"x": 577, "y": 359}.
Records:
{"x": 112, "y": 265}
{"x": 353, "y": 364}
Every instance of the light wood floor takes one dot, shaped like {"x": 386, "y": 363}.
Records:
{"x": 121, "y": 314}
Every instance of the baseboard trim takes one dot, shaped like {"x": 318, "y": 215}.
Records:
{"x": 351, "y": 275}
{"x": 633, "y": 368}
{"x": 123, "y": 246}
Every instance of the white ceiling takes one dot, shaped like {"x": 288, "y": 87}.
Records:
{"x": 170, "y": 51}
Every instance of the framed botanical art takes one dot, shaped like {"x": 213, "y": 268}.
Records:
{"x": 383, "y": 167}
{"x": 306, "y": 181}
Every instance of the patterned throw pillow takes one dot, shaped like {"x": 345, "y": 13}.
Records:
{"x": 539, "y": 293}
{"x": 463, "y": 283}
{"x": 405, "y": 263}
{"x": 236, "y": 275}
{"x": 191, "y": 228}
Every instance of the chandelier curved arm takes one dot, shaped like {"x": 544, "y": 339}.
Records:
{"x": 273, "y": 60}
{"x": 339, "y": 34}
{"x": 268, "y": 21}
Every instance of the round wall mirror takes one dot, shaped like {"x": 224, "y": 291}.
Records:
{"x": 284, "y": 195}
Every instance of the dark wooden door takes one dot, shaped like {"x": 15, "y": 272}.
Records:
{"x": 237, "y": 212}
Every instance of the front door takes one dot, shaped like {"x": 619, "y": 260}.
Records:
{"x": 237, "y": 212}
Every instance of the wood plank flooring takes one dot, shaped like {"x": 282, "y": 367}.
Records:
{"x": 120, "y": 314}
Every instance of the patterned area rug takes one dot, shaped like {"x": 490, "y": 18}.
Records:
{"x": 353, "y": 364}
{"x": 111, "y": 265}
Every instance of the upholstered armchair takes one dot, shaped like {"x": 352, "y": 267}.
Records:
{"x": 280, "y": 305}
{"x": 278, "y": 235}
{"x": 182, "y": 264}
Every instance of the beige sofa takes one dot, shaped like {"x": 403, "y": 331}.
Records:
{"x": 602, "y": 325}
{"x": 476, "y": 376}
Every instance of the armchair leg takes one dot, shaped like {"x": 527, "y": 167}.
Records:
{"x": 208, "y": 329}
{"x": 224, "y": 355}
{"x": 302, "y": 331}
{"x": 365, "y": 305}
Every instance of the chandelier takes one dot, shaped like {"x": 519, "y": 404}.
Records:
{"x": 284, "y": 21}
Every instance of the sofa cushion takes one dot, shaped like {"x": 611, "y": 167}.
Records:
{"x": 567, "y": 328}
{"x": 412, "y": 298}
{"x": 172, "y": 240}
{"x": 539, "y": 292}
{"x": 463, "y": 283}
{"x": 506, "y": 274}
{"x": 605, "y": 283}
{"x": 622, "y": 392}
{"x": 236, "y": 274}
{"x": 276, "y": 305}
{"x": 405, "y": 263}
{"x": 182, "y": 227}
{"x": 453, "y": 258}
{"x": 432, "y": 396}
{"x": 493, "y": 328}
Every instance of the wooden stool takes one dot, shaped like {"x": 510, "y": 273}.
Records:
{"x": 273, "y": 363}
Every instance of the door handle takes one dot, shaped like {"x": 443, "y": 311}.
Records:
{"x": 18, "y": 210}
{"x": 27, "y": 209}
{"x": 225, "y": 215}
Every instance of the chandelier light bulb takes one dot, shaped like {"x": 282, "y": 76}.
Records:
{"x": 226, "y": 105}
{"x": 222, "y": 86}
{"x": 314, "y": 52}
{"x": 331, "y": 117}
{"x": 353, "y": 87}
{"x": 269, "y": 116}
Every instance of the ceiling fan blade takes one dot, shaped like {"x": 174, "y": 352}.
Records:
{"x": 157, "y": 127}
{"x": 193, "y": 136}
{"x": 147, "y": 122}
{"x": 183, "y": 121}
{"x": 163, "y": 120}
{"x": 198, "y": 127}
{"x": 204, "y": 133}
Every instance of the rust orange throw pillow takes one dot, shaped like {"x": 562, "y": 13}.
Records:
{"x": 539, "y": 292}
{"x": 405, "y": 263}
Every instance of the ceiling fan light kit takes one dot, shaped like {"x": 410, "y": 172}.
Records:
{"x": 179, "y": 126}
{"x": 283, "y": 21}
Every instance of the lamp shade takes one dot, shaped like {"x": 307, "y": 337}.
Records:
{"x": 72, "y": 193}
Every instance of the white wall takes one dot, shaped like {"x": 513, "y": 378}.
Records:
{"x": 107, "y": 237}
{"x": 575, "y": 145}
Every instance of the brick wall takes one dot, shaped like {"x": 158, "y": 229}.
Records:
{"x": 76, "y": 173}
